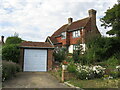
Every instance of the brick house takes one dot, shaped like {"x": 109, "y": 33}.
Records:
{"x": 69, "y": 34}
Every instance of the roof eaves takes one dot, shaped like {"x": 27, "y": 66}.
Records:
{"x": 37, "y": 47}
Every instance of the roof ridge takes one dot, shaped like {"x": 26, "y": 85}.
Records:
{"x": 81, "y": 19}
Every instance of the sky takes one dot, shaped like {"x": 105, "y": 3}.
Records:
{"x": 34, "y": 20}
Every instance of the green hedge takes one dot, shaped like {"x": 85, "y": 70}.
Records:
{"x": 9, "y": 69}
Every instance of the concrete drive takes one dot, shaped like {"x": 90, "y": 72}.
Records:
{"x": 33, "y": 80}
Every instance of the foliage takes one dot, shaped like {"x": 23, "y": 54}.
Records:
{"x": 102, "y": 48}
{"x": 13, "y": 40}
{"x": 71, "y": 67}
{"x": 112, "y": 19}
{"x": 83, "y": 60}
{"x": 11, "y": 53}
{"x": 76, "y": 56}
{"x": 10, "y": 50}
{"x": 112, "y": 62}
{"x": 89, "y": 72}
{"x": 60, "y": 54}
{"x": 9, "y": 69}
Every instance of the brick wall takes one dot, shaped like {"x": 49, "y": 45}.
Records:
{"x": 50, "y": 59}
{"x": 21, "y": 58}
{"x": 60, "y": 40}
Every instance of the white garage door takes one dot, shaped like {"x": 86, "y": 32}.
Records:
{"x": 35, "y": 60}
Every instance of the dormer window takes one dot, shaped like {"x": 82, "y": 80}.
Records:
{"x": 63, "y": 35}
{"x": 76, "y": 34}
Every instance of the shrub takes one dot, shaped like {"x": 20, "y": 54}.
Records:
{"x": 60, "y": 54}
{"x": 9, "y": 69}
{"x": 112, "y": 62}
{"x": 76, "y": 56}
{"x": 114, "y": 74}
{"x": 11, "y": 52}
{"x": 89, "y": 72}
{"x": 72, "y": 68}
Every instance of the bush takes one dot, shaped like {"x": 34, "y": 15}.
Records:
{"x": 89, "y": 72}
{"x": 76, "y": 56}
{"x": 13, "y": 40}
{"x": 112, "y": 62}
{"x": 72, "y": 68}
{"x": 114, "y": 74}
{"x": 9, "y": 69}
{"x": 60, "y": 54}
{"x": 11, "y": 52}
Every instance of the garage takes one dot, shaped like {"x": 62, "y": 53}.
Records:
{"x": 36, "y": 56}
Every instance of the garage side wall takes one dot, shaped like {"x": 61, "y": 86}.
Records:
{"x": 21, "y": 58}
{"x": 50, "y": 59}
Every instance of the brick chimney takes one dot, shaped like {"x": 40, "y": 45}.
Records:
{"x": 2, "y": 39}
{"x": 92, "y": 15}
{"x": 70, "y": 20}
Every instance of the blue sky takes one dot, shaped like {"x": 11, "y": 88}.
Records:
{"x": 34, "y": 20}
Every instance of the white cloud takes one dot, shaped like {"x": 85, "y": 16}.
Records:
{"x": 37, "y": 19}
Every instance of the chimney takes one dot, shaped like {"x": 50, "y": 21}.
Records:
{"x": 2, "y": 39}
{"x": 92, "y": 15}
{"x": 70, "y": 20}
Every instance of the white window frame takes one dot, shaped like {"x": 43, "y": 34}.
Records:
{"x": 76, "y": 34}
{"x": 76, "y": 46}
{"x": 63, "y": 35}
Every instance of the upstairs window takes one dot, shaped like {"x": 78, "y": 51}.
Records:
{"x": 76, "y": 34}
{"x": 63, "y": 35}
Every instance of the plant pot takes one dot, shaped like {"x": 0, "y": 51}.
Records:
{"x": 64, "y": 67}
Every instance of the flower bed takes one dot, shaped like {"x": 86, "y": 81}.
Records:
{"x": 90, "y": 72}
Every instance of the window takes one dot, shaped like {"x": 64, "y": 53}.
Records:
{"x": 76, "y": 33}
{"x": 63, "y": 35}
{"x": 76, "y": 47}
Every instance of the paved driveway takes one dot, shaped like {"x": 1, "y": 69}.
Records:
{"x": 33, "y": 80}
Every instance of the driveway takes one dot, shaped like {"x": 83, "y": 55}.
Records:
{"x": 33, "y": 80}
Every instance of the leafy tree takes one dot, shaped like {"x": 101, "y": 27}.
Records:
{"x": 112, "y": 19}
{"x": 10, "y": 53}
{"x": 13, "y": 40}
{"x": 10, "y": 50}
{"x": 102, "y": 48}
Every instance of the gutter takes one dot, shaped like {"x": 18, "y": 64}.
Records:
{"x": 37, "y": 47}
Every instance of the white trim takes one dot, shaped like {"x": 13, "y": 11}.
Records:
{"x": 50, "y": 40}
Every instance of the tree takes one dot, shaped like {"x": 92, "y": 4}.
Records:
{"x": 13, "y": 40}
{"x": 10, "y": 50}
{"x": 112, "y": 19}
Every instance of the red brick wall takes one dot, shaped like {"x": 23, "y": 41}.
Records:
{"x": 50, "y": 59}
{"x": 74, "y": 40}
{"x": 60, "y": 40}
{"x": 21, "y": 58}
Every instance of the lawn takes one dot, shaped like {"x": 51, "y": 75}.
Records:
{"x": 96, "y": 83}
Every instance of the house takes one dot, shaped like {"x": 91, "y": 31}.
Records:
{"x": 36, "y": 56}
{"x": 69, "y": 34}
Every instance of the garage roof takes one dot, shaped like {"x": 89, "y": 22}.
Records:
{"x": 29, "y": 44}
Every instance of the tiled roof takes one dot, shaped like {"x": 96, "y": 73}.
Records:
{"x": 72, "y": 26}
{"x": 36, "y": 44}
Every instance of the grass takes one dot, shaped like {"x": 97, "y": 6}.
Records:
{"x": 96, "y": 83}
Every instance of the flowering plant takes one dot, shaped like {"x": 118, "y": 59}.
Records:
{"x": 65, "y": 63}
{"x": 89, "y": 72}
